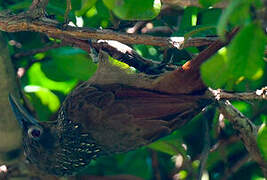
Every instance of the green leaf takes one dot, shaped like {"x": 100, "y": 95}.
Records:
{"x": 209, "y": 17}
{"x": 231, "y": 13}
{"x": 242, "y": 59}
{"x": 171, "y": 147}
{"x": 138, "y": 158}
{"x": 20, "y": 5}
{"x": 208, "y": 3}
{"x": 148, "y": 51}
{"x": 262, "y": 140}
{"x": 246, "y": 53}
{"x": 44, "y": 101}
{"x": 243, "y": 107}
{"x": 86, "y": 5}
{"x": 98, "y": 15}
{"x": 73, "y": 63}
{"x": 35, "y": 76}
{"x": 134, "y": 9}
{"x": 189, "y": 19}
{"x": 198, "y": 30}
{"x": 58, "y": 8}
{"x": 120, "y": 64}
{"x": 214, "y": 72}
{"x": 52, "y": 72}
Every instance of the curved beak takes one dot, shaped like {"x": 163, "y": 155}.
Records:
{"x": 24, "y": 118}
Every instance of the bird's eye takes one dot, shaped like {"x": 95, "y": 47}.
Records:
{"x": 35, "y": 132}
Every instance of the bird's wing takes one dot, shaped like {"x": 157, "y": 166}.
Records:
{"x": 114, "y": 99}
{"x": 130, "y": 116}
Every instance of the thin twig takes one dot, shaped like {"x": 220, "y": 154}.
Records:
{"x": 136, "y": 27}
{"x": 67, "y": 11}
{"x": 236, "y": 167}
{"x": 224, "y": 142}
{"x": 246, "y": 130}
{"x": 260, "y": 94}
{"x": 155, "y": 165}
{"x": 205, "y": 151}
{"x": 36, "y": 10}
{"x": 38, "y": 4}
{"x": 38, "y": 50}
{"x": 207, "y": 116}
{"x": 164, "y": 30}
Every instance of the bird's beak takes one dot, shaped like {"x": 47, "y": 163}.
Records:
{"x": 24, "y": 118}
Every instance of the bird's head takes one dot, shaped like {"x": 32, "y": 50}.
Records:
{"x": 38, "y": 139}
{"x": 58, "y": 147}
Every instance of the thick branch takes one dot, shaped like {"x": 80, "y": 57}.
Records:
{"x": 260, "y": 94}
{"x": 246, "y": 130}
{"x": 36, "y": 4}
{"x": 13, "y": 23}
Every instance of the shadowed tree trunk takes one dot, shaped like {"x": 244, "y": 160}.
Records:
{"x": 10, "y": 133}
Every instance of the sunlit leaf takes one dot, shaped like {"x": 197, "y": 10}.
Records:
{"x": 214, "y": 72}
{"x": 86, "y": 5}
{"x": 134, "y": 9}
{"x": 72, "y": 63}
{"x": 44, "y": 101}
{"x": 246, "y": 53}
{"x": 231, "y": 13}
{"x": 241, "y": 60}
{"x": 120, "y": 64}
{"x": 171, "y": 147}
{"x": 262, "y": 140}
{"x": 148, "y": 52}
{"x": 182, "y": 174}
{"x": 98, "y": 16}
{"x": 35, "y": 76}
{"x": 243, "y": 107}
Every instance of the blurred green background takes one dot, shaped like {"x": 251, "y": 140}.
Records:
{"x": 48, "y": 77}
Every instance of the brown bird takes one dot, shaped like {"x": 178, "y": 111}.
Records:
{"x": 114, "y": 111}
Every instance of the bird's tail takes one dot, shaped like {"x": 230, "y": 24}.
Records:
{"x": 187, "y": 79}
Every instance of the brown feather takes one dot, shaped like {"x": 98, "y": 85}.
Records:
{"x": 129, "y": 116}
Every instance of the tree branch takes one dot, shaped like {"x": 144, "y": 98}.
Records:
{"x": 205, "y": 151}
{"x": 260, "y": 94}
{"x": 14, "y": 23}
{"x": 236, "y": 166}
{"x": 36, "y": 4}
{"x": 38, "y": 50}
{"x": 246, "y": 130}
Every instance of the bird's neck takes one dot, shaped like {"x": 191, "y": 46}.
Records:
{"x": 75, "y": 149}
